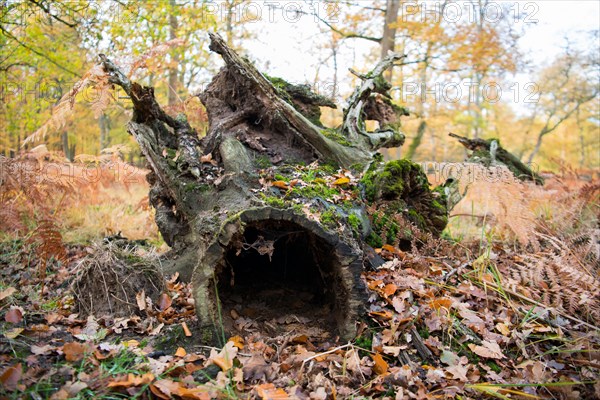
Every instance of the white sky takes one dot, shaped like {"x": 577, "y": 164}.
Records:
{"x": 286, "y": 44}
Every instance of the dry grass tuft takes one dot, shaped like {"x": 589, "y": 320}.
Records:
{"x": 109, "y": 278}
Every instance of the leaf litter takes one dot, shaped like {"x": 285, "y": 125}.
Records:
{"x": 438, "y": 324}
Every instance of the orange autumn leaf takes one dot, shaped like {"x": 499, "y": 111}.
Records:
{"x": 197, "y": 393}
{"x": 132, "y": 380}
{"x": 237, "y": 341}
{"x": 180, "y": 352}
{"x": 164, "y": 302}
{"x": 11, "y": 377}
{"x": 14, "y": 316}
{"x": 389, "y": 248}
{"x": 224, "y": 359}
{"x": 384, "y": 315}
{"x": 268, "y": 391}
{"x": 436, "y": 304}
{"x": 280, "y": 184}
{"x": 380, "y": 367}
{"x": 186, "y": 330}
{"x": 389, "y": 289}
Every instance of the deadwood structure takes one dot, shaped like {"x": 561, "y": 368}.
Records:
{"x": 248, "y": 203}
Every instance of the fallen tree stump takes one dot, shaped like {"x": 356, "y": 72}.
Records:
{"x": 270, "y": 199}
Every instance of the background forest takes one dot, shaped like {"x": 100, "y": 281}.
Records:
{"x": 465, "y": 69}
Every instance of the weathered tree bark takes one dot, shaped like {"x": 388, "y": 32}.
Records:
{"x": 217, "y": 207}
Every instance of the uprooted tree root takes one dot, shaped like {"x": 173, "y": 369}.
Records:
{"x": 108, "y": 280}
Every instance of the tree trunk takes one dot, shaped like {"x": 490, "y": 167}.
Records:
{"x": 253, "y": 203}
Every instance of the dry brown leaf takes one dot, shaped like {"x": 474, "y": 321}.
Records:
{"x": 141, "y": 300}
{"x": 74, "y": 351}
{"x": 197, "y": 393}
{"x": 380, "y": 367}
{"x": 164, "y": 388}
{"x": 11, "y": 376}
{"x": 186, "y": 330}
{"x": 268, "y": 391}
{"x": 14, "y": 316}
{"x": 132, "y": 380}
{"x": 164, "y": 302}
{"x": 13, "y": 333}
{"x": 9, "y": 291}
{"x": 41, "y": 350}
{"x": 487, "y": 350}
{"x": 224, "y": 359}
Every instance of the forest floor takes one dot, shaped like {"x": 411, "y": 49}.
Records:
{"x": 510, "y": 312}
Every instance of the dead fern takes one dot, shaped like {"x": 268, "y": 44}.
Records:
{"x": 49, "y": 246}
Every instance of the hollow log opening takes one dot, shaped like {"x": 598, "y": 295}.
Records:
{"x": 277, "y": 276}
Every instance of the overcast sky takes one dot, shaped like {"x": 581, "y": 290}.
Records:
{"x": 287, "y": 48}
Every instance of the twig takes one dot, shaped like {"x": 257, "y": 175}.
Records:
{"x": 325, "y": 353}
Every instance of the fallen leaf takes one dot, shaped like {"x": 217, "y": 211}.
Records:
{"x": 141, "y": 300}
{"x": 180, "y": 352}
{"x": 388, "y": 247}
{"x": 280, "y": 184}
{"x": 268, "y": 391}
{"x": 381, "y": 367}
{"x": 438, "y": 303}
{"x": 41, "y": 350}
{"x": 224, "y": 359}
{"x": 449, "y": 358}
{"x": 13, "y": 333}
{"x": 164, "y": 302}
{"x": 341, "y": 181}
{"x": 256, "y": 369}
{"x": 237, "y": 341}
{"x": 487, "y": 350}
{"x": 132, "y": 380}
{"x": 389, "y": 289}
{"x": 164, "y": 388}
{"x": 14, "y": 316}
{"x": 157, "y": 330}
{"x": 9, "y": 291}
{"x": 11, "y": 377}
{"x": 197, "y": 393}
{"x": 503, "y": 328}
{"x": 186, "y": 330}
{"x": 74, "y": 351}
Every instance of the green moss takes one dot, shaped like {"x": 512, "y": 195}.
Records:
{"x": 329, "y": 218}
{"x": 262, "y": 162}
{"x": 335, "y": 135}
{"x": 316, "y": 189}
{"x": 354, "y": 222}
{"x": 273, "y": 201}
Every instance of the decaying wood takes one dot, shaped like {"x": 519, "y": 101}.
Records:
{"x": 490, "y": 153}
{"x": 211, "y": 204}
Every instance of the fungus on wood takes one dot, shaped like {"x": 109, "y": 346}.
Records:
{"x": 230, "y": 229}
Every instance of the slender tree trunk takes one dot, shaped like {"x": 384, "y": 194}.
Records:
{"x": 173, "y": 79}
{"x": 388, "y": 40}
